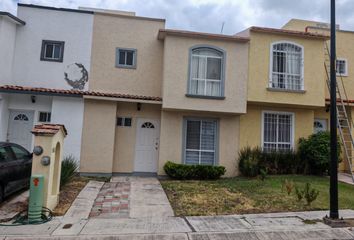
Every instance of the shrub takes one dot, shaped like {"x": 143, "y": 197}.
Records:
{"x": 299, "y": 193}
{"x": 263, "y": 174}
{"x": 249, "y": 161}
{"x": 315, "y": 151}
{"x": 197, "y": 172}
{"x": 252, "y": 160}
{"x": 288, "y": 185}
{"x": 310, "y": 194}
{"x": 68, "y": 169}
{"x": 281, "y": 162}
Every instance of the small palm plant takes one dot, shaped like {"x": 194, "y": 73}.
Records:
{"x": 69, "y": 167}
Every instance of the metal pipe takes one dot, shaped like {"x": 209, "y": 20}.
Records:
{"x": 333, "y": 121}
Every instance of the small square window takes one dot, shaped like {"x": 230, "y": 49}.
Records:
{"x": 341, "y": 67}
{"x": 44, "y": 117}
{"x": 126, "y": 58}
{"x": 52, "y": 51}
{"x": 124, "y": 121}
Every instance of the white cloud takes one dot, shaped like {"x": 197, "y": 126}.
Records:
{"x": 208, "y": 15}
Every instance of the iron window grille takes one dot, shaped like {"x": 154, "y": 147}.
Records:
{"x": 278, "y": 131}
{"x": 286, "y": 66}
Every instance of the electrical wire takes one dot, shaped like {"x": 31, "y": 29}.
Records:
{"x": 22, "y": 218}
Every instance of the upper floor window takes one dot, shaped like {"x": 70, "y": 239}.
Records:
{"x": 341, "y": 67}
{"x": 126, "y": 58}
{"x": 286, "y": 66}
{"x": 206, "y": 72}
{"x": 52, "y": 51}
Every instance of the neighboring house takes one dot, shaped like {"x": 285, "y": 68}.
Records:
{"x": 286, "y": 87}
{"x": 203, "y": 92}
{"x": 45, "y": 56}
{"x": 345, "y": 76}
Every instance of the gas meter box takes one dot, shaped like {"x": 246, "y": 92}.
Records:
{"x": 35, "y": 198}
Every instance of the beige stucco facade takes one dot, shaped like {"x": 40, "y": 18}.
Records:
{"x": 172, "y": 137}
{"x": 124, "y": 149}
{"x": 112, "y": 31}
{"x": 156, "y": 91}
{"x": 98, "y": 136}
{"x": 176, "y": 73}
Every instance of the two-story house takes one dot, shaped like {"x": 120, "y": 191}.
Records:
{"x": 187, "y": 91}
{"x": 345, "y": 78}
{"x": 45, "y": 56}
{"x": 286, "y": 87}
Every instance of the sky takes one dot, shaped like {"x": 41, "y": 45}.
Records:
{"x": 211, "y": 15}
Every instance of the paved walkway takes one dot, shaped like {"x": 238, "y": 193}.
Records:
{"x": 11, "y": 208}
{"x": 345, "y": 177}
{"x": 151, "y": 218}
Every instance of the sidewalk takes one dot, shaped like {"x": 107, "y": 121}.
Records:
{"x": 151, "y": 218}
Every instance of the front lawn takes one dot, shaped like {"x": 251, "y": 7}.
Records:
{"x": 242, "y": 195}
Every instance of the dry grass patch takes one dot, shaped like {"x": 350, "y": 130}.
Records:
{"x": 242, "y": 195}
{"x": 69, "y": 192}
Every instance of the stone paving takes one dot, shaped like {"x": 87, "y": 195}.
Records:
{"x": 346, "y": 178}
{"x": 10, "y": 208}
{"x": 112, "y": 201}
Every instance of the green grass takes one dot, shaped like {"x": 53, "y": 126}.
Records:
{"x": 242, "y": 195}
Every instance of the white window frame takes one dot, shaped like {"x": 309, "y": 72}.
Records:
{"x": 345, "y": 74}
{"x": 59, "y": 44}
{"x": 216, "y": 139}
{"x": 321, "y": 121}
{"x": 222, "y": 69}
{"x": 271, "y": 66}
{"x": 125, "y": 65}
{"x": 45, "y": 112}
{"x": 123, "y": 121}
{"x": 292, "y": 132}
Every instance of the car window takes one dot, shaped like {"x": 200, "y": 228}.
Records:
{"x": 5, "y": 154}
{"x": 19, "y": 152}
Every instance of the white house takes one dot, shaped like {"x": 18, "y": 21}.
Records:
{"x": 44, "y": 65}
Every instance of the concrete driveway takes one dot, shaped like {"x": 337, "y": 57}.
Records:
{"x": 132, "y": 197}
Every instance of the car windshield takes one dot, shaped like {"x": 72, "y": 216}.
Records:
{"x": 4, "y": 154}
{"x": 19, "y": 152}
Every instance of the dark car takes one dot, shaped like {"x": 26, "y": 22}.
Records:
{"x": 15, "y": 168}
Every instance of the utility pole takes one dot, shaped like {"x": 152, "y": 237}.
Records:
{"x": 333, "y": 214}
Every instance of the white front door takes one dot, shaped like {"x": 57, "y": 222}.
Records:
{"x": 20, "y": 126}
{"x": 147, "y": 145}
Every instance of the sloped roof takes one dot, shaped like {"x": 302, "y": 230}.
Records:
{"x": 73, "y": 93}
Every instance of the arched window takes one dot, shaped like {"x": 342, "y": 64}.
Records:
{"x": 147, "y": 125}
{"x": 21, "y": 117}
{"x": 206, "y": 72}
{"x": 286, "y": 66}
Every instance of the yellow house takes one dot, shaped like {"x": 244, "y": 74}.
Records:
{"x": 345, "y": 56}
{"x": 196, "y": 98}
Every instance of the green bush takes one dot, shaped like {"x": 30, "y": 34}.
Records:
{"x": 281, "y": 162}
{"x": 249, "y": 159}
{"x": 253, "y": 160}
{"x": 68, "y": 169}
{"x": 315, "y": 151}
{"x": 197, "y": 172}
{"x": 310, "y": 194}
